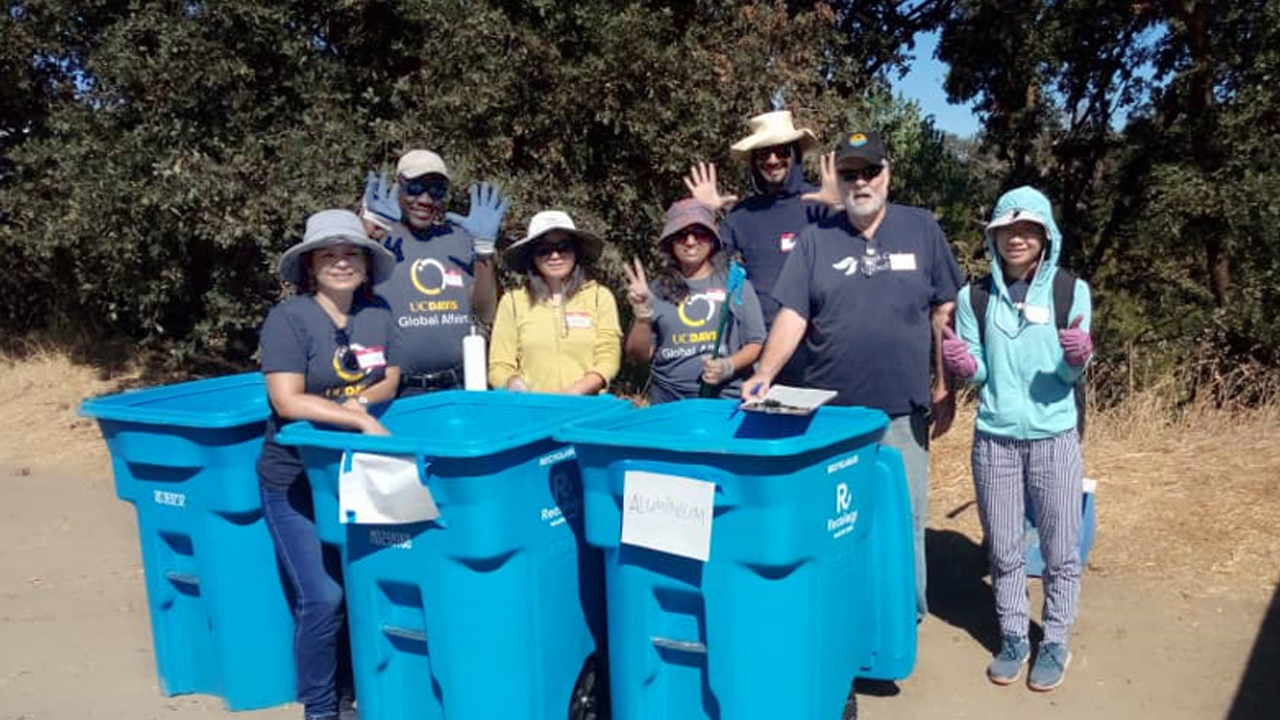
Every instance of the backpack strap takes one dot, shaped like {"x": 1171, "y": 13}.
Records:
{"x": 980, "y": 298}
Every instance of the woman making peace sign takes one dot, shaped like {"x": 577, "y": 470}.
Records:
{"x": 697, "y": 326}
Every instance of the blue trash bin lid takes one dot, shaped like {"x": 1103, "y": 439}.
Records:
{"x": 460, "y": 424}
{"x": 721, "y": 427}
{"x": 222, "y": 402}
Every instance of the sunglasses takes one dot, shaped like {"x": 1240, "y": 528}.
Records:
{"x": 545, "y": 249}
{"x": 867, "y": 173}
{"x": 348, "y": 358}
{"x": 782, "y": 151}
{"x": 700, "y": 234}
{"x": 437, "y": 188}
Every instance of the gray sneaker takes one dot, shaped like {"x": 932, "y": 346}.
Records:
{"x": 1050, "y": 668}
{"x": 1006, "y": 668}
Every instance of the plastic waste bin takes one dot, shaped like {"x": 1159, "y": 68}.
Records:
{"x": 1088, "y": 526}
{"x": 495, "y": 609}
{"x": 809, "y": 580}
{"x": 183, "y": 455}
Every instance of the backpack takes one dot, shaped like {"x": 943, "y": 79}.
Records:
{"x": 1064, "y": 292}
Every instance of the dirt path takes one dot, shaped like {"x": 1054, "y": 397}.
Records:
{"x": 75, "y": 643}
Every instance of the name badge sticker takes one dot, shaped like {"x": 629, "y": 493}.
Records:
{"x": 786, "y": 242}
{"x": 715, "y": 295}
{"x": 369, "y": 358}
{"x": 902, "y": 261}
{"x": 453, "y": 278}
{"x": 577, "y": 320}
{"x": 1036, "y": 314}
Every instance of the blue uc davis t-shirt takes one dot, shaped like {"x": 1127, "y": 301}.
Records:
{"x": 685, "y": 332}
{"x": 299, "y": 337}
{"x": 429, "y": 294}
{"x": 869, "y": 335}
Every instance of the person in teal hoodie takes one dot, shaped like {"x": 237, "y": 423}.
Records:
{"x": 1026, "y": 448}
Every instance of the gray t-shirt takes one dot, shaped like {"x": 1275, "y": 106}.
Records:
{"x": 684, "y": 333}
{"x": 429, "y": 295}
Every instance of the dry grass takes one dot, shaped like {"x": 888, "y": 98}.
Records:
{"x": 1191, "y": 502}
{"x": 40, "y": 392}
{"x": 1189, "y": 498}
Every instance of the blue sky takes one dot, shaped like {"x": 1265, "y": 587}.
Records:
{"x": 924, "y": 85}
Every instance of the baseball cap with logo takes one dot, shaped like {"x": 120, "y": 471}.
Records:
{"x": 866, "y": 146}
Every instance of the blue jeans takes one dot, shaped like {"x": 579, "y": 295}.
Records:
{"x": 909, "y": 435}
{"x": 314, "y": 575}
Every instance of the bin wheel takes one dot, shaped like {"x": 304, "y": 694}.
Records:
{"x": 590, "y": 699}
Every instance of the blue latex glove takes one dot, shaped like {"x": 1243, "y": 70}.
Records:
{"x": 737, "y": 274}
{"x": 381, "y": 199}
{"x": 488, "y": 207}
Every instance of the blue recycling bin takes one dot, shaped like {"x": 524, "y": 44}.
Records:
{"x": 495, "y": 609}
{"x": 809, "y": 581}
{"x": 1031, "y": 536}
{"x": 183, "y": 455}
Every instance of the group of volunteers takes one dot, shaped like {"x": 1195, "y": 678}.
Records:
{"x": 827, "y": 286}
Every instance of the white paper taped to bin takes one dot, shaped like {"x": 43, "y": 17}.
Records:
{"x": 383, "y": 490}
{"x": 668, "y": 513}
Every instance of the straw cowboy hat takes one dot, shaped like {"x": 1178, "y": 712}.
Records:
{"x": 772, "y": 128}
{"x": 336, "y": 227}
{"x": 588, "y": 245}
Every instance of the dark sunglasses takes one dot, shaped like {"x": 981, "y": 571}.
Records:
{"x": 782, "y": 151}
{"x": 545, "y": 249}
{"x": 867, "y": 173}
{"x": 348, "y": 358}
{"x": 437, "y": 188}
{"x": 701, "y": 234}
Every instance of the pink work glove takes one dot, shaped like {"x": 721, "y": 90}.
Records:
{"x": 956, "y": 357}
{"x": 1077, "y": 346}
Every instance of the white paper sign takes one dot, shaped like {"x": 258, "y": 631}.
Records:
{"x": 383, "y": 490}
{"x": 668, "y": 513}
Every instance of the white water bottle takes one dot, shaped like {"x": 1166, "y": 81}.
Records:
{"x": 474, "y": 373}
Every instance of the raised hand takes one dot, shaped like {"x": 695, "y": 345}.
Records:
{"x": 381, "y": 199}
{"x": 638, "y": 294}
{"x": 1077, "y": 345}
{"x": 829, "y": 194}
{"x": 956, "y": 356}
{"x": 704, "y": 187}
{"x": 484, "y": 221}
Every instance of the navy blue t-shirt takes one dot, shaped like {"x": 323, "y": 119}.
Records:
{"x": 763, "y": 230}
{"x": 869, "y": 335}
{"x": 429, "y": 294}
{"x": 299, "y": 337}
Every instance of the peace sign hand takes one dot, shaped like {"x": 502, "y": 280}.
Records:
{"x": 638, "y": 293}
{"x": 703, "y": 185}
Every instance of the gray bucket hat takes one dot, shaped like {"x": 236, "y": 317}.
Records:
{"x": 336, "y": 227}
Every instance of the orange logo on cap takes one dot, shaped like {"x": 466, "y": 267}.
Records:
{"x": 857, "y": 139}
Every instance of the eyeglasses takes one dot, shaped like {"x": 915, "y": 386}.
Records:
{"x": 699, "y": 235}
{"x": 545, "y": 249}
{"x": 347, "y": 358}
{"x": 436, "y": 187}
{"x": 782, "y": 151}
{"x": 867, "y": 173}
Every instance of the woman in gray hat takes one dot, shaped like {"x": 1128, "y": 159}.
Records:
{"x": 699, "y": 324}
{"x": 327, "y": 354}
{"x": 560, "y": 332}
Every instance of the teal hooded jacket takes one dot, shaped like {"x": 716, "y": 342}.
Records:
{"x": 1025, "y": 385}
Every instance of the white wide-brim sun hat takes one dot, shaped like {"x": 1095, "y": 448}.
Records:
{"x": 589, "y": 246}
{"x": 773, "y": 128}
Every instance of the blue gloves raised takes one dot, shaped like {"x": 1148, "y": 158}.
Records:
{"x": 381, "y": 203}
{"x": 488, "y": 207}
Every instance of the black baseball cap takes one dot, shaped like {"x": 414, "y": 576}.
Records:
{"x": 863, "y": 145}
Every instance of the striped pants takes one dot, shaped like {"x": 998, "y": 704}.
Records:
{"x": 1010, "y": 476}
